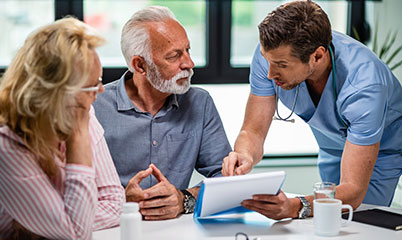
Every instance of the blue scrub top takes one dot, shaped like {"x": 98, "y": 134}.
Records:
{"x": 369, "y": 102}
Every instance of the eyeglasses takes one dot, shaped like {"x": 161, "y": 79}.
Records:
{"x": 244, "y": 236}
{"x": 93, "y": 89}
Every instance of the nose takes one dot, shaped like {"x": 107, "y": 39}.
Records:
{"x": 187, "y": 62}
{"x": 272, "y": 74}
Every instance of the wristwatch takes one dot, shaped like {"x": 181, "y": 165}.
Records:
{"x": 189, "y": 202}
{"x": 306, "y": 209}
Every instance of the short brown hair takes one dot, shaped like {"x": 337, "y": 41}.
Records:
{"x": 301, "y": 24}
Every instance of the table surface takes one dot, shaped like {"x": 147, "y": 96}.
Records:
{"x": 185, "y": 227}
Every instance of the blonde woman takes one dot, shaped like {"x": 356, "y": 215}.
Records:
{"x": 57, "y": 178}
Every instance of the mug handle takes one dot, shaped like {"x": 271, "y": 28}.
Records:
{"x": 347, "y": 206}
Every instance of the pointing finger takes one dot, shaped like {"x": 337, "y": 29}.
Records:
{"x": 231, "y": 163}
{"x": 243, "y": 169}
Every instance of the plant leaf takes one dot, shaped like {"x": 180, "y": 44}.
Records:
{"x": 393, "y": 55}
{"x": 384, "y": 46}
{"x": 396, "y": 65}
{"x": 390, "y": 44}
{"x": 356, "y": 33}
{"x": 375, "y": 37}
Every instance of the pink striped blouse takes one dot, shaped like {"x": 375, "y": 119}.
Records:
{"x": 79, "y": 200}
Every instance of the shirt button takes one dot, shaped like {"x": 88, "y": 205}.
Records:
{"x": 154, "y": 142}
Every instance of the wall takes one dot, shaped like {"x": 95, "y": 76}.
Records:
{"x": 282, "y": 138}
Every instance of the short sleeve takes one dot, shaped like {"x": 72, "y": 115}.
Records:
{"x": 365, "y": 108}
{"x": 259, "y": 83}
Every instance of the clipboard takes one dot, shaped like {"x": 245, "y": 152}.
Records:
{"x": 223, "y": 195}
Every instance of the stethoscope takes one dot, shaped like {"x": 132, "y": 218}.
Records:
{"x": 278, "y": 117}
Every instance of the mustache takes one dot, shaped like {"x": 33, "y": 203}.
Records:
{"x": 183, "y": 74}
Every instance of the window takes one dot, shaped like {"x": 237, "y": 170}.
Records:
{"x": 109, "y": 17}
{"x": 246, "y": 15}
{"x": 386, "y": 15}
{"x": 18, "y": 18}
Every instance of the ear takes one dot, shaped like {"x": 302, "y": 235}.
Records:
{"x": 139, "y": 65}
{"x": 319, "y": 54}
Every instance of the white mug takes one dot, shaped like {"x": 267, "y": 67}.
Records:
{"x": 327, "y": 216}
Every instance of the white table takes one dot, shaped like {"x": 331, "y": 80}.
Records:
{"x": 184, "y": 227}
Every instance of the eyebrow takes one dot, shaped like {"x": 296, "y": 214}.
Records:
{"x": 180, "y": 49}
{"x": 280, "y": 62}
{"x": 276, "y": 62}
{"x": 177, "y": 50}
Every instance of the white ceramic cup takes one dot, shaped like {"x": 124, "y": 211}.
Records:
{"x": 327, "y": 216}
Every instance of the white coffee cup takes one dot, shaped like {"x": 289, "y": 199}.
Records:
{"x": 327, "y": 216}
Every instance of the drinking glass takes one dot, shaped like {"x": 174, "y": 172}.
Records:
{"x": 324, "y": 190}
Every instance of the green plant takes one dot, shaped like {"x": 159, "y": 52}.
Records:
{"x": 384, "y": 51}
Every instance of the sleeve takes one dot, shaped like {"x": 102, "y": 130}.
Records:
{"x": 28, "y": 196}
{"x": 365, "y": 108}
{"x": 259, "y": 83}
{"x": 214, "y": 143}
{"x": 111, "y": 194}
{"x": 5, "y": 223}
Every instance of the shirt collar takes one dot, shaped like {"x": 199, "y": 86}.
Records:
{"x": 124, "y": 103}
{"x": 172, "y": 101}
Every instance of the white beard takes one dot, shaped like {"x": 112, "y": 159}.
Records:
{"x": 169, "y": 86}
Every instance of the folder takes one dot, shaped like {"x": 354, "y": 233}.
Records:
{"x": 378, "y": 217}
{"x": 223, "y": 195}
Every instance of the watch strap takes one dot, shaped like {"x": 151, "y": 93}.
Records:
{"x": 188, "y": 202}
{"x": 306, "y": 208}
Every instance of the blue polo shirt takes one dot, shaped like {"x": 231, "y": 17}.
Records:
{"x": 186, "y": 134}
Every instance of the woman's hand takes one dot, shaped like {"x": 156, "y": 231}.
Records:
{"x": 78, "y": 143}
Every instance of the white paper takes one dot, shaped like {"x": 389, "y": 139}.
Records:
{"x": 223, "y": 193}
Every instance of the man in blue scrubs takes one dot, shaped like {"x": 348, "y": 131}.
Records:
{"x": 352, "y": 103}
{"x": 158, "y": 128}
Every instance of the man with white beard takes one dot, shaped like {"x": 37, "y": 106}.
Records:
{"x": 158, "y": 128}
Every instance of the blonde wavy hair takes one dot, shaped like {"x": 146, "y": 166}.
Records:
{"x": 39, "y": 86}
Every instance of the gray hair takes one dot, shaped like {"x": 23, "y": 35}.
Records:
{"x": 135, "y": 36}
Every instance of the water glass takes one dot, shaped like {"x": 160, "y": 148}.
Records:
{"x": 324, "y": 190}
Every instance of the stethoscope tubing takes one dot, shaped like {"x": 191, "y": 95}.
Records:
{"x": 278, "y": 117}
